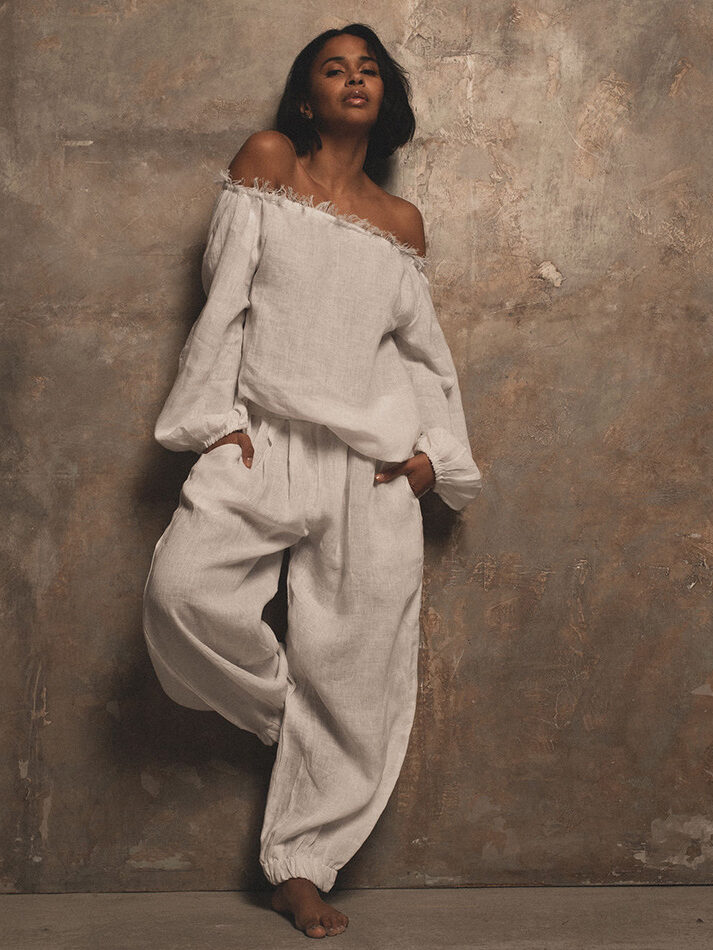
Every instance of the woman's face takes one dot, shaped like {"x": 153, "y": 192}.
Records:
{"x": 343, "y": 66}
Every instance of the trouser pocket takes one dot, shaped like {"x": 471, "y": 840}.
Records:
{"x": 261, "y": 431}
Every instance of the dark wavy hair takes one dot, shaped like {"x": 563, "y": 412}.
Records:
{"x": 395, "y": 124}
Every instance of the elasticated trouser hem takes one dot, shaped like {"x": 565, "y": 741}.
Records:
{"x": 300, "y": 865}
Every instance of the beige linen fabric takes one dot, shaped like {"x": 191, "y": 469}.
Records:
{"x": 340, "y": 694}
{"x": 320, "y": 339}
{"x": 320, "y": 318}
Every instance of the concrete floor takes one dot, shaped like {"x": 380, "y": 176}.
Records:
{"x": 496, "y": 918}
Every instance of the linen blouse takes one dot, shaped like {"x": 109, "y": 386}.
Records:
{"x": 321, "y": 316}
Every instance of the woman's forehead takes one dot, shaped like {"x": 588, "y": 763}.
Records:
{"x": 346, "y": 46}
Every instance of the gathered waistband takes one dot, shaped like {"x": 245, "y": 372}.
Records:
{"x": 311, "y": 432}
{"x": 277, "y": 421}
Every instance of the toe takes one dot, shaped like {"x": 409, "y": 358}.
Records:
{"x": 333, "y": 924}
{"x": 315, "y": 929}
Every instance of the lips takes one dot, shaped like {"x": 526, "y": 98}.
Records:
{"x": 354, "y": 95}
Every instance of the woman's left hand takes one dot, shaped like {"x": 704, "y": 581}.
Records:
{"x": 417, "y": 469}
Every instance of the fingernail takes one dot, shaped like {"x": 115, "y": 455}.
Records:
{"x": 379, "y": 477}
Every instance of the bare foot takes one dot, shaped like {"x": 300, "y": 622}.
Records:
{"x": 300, "y": 897}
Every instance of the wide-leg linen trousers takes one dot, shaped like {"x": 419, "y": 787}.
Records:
{"x": 339, "y": 696}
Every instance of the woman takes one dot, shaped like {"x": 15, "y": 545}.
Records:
{"x": 319, "y": 389}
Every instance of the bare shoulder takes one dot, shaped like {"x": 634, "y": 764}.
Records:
{"x": 408, "y": 223}
{"x": 268, "y": 155}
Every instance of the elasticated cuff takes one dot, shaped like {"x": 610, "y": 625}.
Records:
{"x": 458, "y": 479}
{"x": 277, "y": 870}
{"x": 236, "y": 422}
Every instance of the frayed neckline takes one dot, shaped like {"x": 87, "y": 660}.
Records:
{"x": 288, "y": 193}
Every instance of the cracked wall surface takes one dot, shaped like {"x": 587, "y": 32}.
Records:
{"x": 564, "y": 731}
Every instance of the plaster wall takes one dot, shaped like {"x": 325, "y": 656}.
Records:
{"x": 564, "y": 732}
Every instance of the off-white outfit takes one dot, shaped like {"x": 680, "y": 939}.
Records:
{"x": 319, "y": 338}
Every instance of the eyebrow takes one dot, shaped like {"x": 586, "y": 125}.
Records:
{"x": 342, "y": 58}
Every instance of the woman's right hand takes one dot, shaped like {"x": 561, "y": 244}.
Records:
{"x": 240, "y": 438}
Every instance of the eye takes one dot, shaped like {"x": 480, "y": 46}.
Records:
{"x": 331, "y": 72}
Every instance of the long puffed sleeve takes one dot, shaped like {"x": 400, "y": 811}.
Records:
{"x": 427, "y": 356}
{"x": 203, "y": 404}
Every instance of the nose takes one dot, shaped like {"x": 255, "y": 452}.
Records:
{"x": 356, "y": 80}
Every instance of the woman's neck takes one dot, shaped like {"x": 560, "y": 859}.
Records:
{"x": 338, "y": 167}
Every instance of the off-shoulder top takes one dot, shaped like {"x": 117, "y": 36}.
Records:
{"x": 318, "y": 315}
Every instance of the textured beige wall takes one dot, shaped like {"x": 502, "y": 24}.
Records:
{"x": 565, "y": 724}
